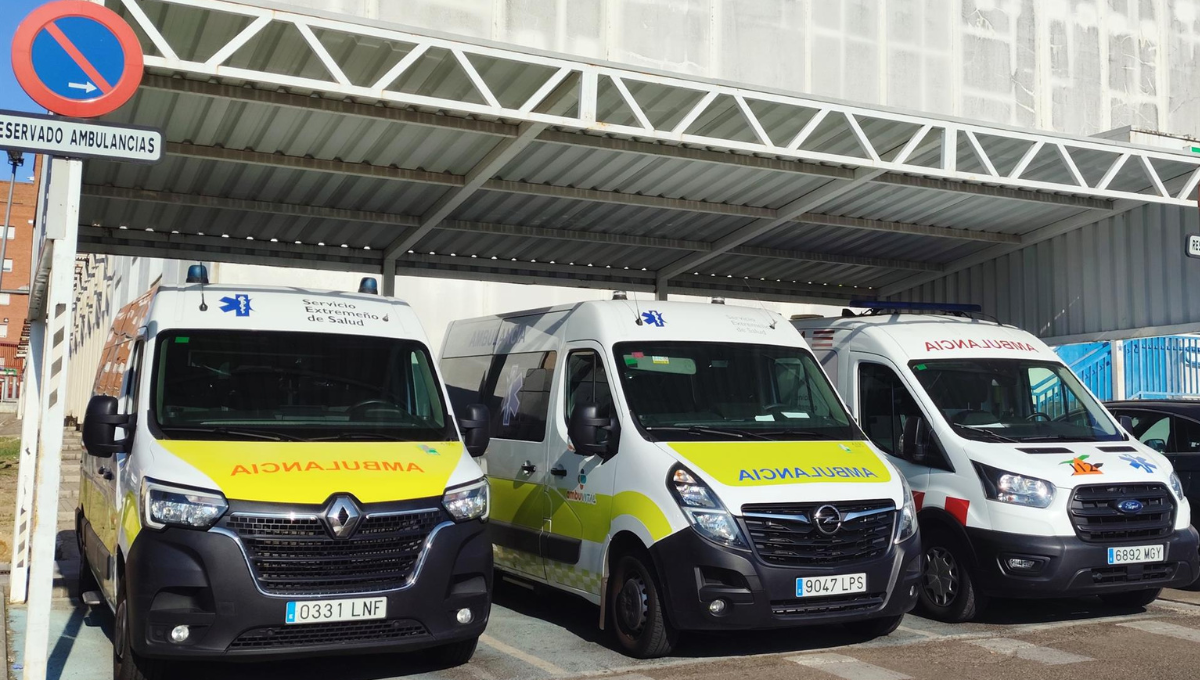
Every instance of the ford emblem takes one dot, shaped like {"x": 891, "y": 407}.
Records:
{"x": 1130, "y": 507}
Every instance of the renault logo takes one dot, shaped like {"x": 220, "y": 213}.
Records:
{"x": 342, "y": 517}
{"x": 828, "y": 520}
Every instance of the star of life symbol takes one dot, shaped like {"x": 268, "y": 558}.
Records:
{"x": 1138, "y": 462}
{"x": 654, "y": 318}
{"x": 238, "y": 304}
{"x": 512, "y": 397}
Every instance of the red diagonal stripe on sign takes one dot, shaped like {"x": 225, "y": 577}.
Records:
{"x": 77, "y": 56}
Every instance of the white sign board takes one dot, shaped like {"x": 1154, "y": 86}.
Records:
{"x": 69, "y": 138}
{"x": 1193, "y": 245}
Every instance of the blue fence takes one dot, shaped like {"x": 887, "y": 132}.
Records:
{"x": 1166, "y": 367}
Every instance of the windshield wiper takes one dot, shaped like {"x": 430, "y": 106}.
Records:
{"x": 235, "y": 432}
{"x": 1062, "y": 438}
{"x": 343, "y": 436}
{"x": 986, "y": 432}
{"x": 700, "y": 429}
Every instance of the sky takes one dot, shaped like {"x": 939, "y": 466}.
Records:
{"x": 12, "y": 98}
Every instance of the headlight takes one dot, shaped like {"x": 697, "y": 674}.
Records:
{"x": 165, "y": 505}
{"x": 467, "y": 502}
{"x": 703, "y": 510}
{"x": 1176, "y": 486}
{"x": 907, "y": 525}
{"x": 1009, "y": 487}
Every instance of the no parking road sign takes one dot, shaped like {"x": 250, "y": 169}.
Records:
{"x": 77, "y": 58}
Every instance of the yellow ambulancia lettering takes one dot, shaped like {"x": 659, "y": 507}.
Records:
{"x": 767, "y": 463}
{"x": 310, "y": 472}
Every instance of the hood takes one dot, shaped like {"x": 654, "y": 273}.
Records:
{"x": 311, "y": 472}
{"x": 789, "y": 471}
{"x": 1068, "y": 465}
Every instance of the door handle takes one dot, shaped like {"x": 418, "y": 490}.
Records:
{"x": 558, "y": 471}
{"x": 105, "y": 473}
{"x": 528, "y": 468}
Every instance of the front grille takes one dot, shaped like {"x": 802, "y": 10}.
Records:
{"x": 299, "y": 556}
{"x": 317, "y": 634}
{"x": 783, "y": 533}
{"x": 1096, "y": 519}
{"x": 839, "y": 604}
{"x": 1129, "y": 573}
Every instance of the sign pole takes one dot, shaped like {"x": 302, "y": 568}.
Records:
{"x": 62, "y": 231}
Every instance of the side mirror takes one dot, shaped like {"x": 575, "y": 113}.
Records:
{"x": 1126, "y": 423}
{"x": 100, "y": 424}
{"x": 475, "y": 425}
{"x": 1156, "y": 444}
{"x": 918, "y": 445}
{"x": 594, "y": 431}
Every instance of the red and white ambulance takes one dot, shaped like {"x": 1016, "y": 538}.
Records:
{"x": 1025, "y": 485}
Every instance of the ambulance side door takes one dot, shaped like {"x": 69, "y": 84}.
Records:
{"x": 580, "y": 487}
{"x": 890, "y": 416}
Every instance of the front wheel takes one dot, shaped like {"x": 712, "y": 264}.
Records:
{"x": 870, "y": 629}
{"x": 455, "y": 653}
{"x": 948, "y": 590}
{"x": 127, "y": 665}
{"x": 1136, "y": 598}
{"x": 636, "y": 610}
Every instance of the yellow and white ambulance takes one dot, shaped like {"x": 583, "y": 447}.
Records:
{"x": 276, "y": 472}
{"x": 1025, "y": 485}
{"x": 684, "y": 466}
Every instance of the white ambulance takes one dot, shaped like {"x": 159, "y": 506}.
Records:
{"x": 1025, "y": 485}
{"x": 274, "y": 472}
{"x": 684, "y": 466}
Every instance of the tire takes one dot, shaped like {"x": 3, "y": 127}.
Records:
{"x": 1131, "y": 599}
{"x": 948, "y": 592}
{"x": 455, "y": 653}
{"x": 869, "y": 629}
{"x": 127, "y": 665}
{"x": 636, "y": 610}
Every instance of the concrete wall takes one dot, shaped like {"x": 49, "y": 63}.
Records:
{"x": 1077, "y": 66}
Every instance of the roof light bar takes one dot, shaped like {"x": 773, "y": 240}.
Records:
{"x": 916, "y": 306}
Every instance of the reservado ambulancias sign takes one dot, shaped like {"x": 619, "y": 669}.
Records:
{"x": 77, "y": 139}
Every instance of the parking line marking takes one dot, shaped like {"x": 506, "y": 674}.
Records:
{"x": 535, "y": 661}
{"x": 1029, "y": 651}
{"x": 922, "y": 633}
{"x": 846, "y": 667}
{"x": 1162, "y": 628}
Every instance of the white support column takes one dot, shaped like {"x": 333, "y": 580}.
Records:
{"x": 62, "y": 227}
{"x": 22, "y": 523}
{"x": 1118, "y": 369}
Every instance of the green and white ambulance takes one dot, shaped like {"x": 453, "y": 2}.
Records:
{"x": 685, "y": 467}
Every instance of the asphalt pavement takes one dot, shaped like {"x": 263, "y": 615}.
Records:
{"x": 550, "y": 635}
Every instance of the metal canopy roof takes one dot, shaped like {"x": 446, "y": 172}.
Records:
{"x": 328, "y": 142}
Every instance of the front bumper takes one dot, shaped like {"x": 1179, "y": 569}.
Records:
{"x": 201, "y": 579}
{"x": 1072, "y": 568}
{"x": 694, "y": 572}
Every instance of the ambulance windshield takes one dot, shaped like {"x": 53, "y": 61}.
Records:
{"x": 1001, "y": 400}
{"x": 692, "y": 391}
{"x": 282, "y": 385}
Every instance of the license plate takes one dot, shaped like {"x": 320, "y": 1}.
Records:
{"x": 1136, "y": 554}
{"x": 820, "y": 586}
{"x": 336, "y": 610}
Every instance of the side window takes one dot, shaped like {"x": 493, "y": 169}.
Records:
{"x": 885, "y": 406}
{"x": 1187, "y": 435}
{"x": 464, "y": 377}
{"x": 521, "y": 395}
{"x": 1153, "y": 430}
{"x": 133, "y": 377}
{"x": 587, "y": 382}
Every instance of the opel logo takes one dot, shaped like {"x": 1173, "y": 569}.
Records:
{"x": 342, "y": 517}
{"x": 1131, "y": 506}
{"x": 828, "y": 520}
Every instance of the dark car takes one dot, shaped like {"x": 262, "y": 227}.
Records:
{"x": 1172, "y": 428}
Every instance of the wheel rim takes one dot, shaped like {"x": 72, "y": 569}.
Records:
{"x": 633, "y": 605}
{"x": 941, "y": 576}
{"x": 119, "y": 626}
